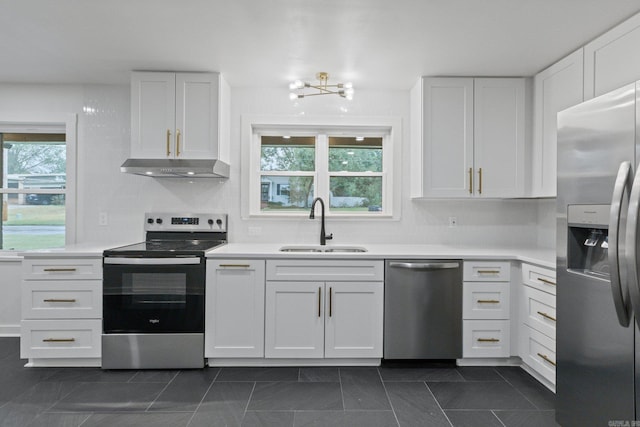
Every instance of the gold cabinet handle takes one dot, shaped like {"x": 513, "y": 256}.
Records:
{"x": 488, "y": 301}
{"x": 319, "y": 301}
{"x": 480, "y": 181}
{"x": 470, "y": 180}
{"x": 488, "y": 271}
{"x": 330, "y": 301}
{"x": 59, "y": 270}
{"x": 178, "y": 143}
{"x": 59, "y": 300}
{"x": 235, "y": 265}
{"x": 59, "y": 340}
{"x": 546, "y": 359}
{"x": 488, "y": 340}
{"x": 168, "y": 142}
{"x": 548, "y": 282}
{"x": 546, "y": 316}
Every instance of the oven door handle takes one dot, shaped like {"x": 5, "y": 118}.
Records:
{"x": 152, "y": 261}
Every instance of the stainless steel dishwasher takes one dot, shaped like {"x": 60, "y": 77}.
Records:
{"x": 423, "y": 309}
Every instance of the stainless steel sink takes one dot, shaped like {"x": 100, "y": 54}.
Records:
{"x": 300, "y": 249}
{"x": 318, "y": 248}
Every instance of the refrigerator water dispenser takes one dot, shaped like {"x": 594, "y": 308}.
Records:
{"x": 588, "y": 239}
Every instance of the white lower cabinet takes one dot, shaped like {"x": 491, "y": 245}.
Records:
{"x": 61, "y": 310}
{"x": 314, "y": 318}
{"x": 234, "y": 312}
{"x": 486, "y": 309}
{"x": 537, "y": 325}
{"x": 294, "y": 315}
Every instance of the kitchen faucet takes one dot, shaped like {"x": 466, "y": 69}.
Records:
{"x": 323, "y": 235}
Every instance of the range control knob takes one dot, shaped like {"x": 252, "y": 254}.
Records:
{"x": 210, "y": 221}
{"x": 219, "y": 222}
{"x": 149, "y": 220}
{"x": 158, "y": 220}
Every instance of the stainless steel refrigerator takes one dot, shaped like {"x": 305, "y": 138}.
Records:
{"x": 598, "y": 299}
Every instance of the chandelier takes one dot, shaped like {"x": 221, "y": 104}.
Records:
{"x": 300, "y": 89}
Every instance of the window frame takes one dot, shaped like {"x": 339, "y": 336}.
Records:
{"x": 253, "y": 127}
{"x": 50, "y": 123}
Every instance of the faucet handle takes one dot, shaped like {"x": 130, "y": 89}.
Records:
{"x": 329, "y": 237}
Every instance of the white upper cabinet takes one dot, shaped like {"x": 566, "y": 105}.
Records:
{"x": 612, "y": 60}
{"x": 468, "y": 138}
{"x": 177, "y": 115}
{"x": 556, "y": 88}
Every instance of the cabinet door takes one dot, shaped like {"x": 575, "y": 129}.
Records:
{"x": 294, "y": 320}
{"x": 447, "y": 154}
{"x": 153, "y": 100}
{"x": 354, "y": 319}
{"x": 197, "y": 115}
{"x": 235, "y": 308}
{"x": 556, "y": 88}
{"x": 611, "y": 60}
{"x": 499, "y": 136}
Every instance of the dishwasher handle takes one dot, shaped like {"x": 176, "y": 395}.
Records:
{"x": 425, "y": 265}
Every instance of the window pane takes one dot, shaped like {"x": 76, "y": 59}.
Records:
{"x": 296, "y": 153}
{"x": 32, "y": 162}
{"x": 34, "y": 225}
{"x": 355, "y": 154}
{"x": 356, "y": 193}
{"x": 285, "y": 193}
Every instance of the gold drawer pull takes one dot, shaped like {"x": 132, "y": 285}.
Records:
{"x": 60, "y": 300}
{"x": 235, "y": 265}
{"x": 488, "y": 271}
{"x": 546, "y": 359}
{"x": 488, "y": 301}
{"x": 480, "y": 181}
{"x": 58, "y": 270}
{"x": 546, "y": 316}
{"x": 488, "y": 340}
{"x": 178, "y": 143}
{"x": 59, "y": 340}
{"x": 548, "y": 282}
{"x": 470, "y": 180}
{"x": 168, "y": 142}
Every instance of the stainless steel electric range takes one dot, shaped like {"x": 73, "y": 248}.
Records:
{"x": 154, "y": 293}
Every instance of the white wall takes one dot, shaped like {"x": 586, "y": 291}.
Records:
{"x": 103, "y": 136}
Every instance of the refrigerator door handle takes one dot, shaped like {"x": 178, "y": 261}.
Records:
{"x": 631, "y": 246}
{"x": 619, "y": 291}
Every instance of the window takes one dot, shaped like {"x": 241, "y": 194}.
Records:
{"x": 34, "y": 186}
{"x": 350, "y": 167}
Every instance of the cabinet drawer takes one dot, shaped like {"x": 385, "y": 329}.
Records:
{"x": 482, "y": 300}
{"x": 42, "y": 299}
{"x": 485, "y": 338}
{"x": 485, "y": 271}
{"x": 62, "y": 269}
{"x": 325, "y": 270}
{"x": 540, "y": 311}
{"x": 539, "y": 352}
{"x": 539, "y": 277}
{"x": 60, "y": 338}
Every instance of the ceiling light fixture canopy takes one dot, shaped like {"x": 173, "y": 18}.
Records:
{"x": 299, "y": 88}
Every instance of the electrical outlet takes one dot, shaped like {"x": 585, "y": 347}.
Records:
{"x": 103, "y": 218}
{"x": 453, "y": 221}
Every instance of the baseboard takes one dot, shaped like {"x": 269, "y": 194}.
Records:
{"x": 9, "y": 330}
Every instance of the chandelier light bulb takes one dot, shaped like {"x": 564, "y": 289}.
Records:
{"x": 293, "y": 96}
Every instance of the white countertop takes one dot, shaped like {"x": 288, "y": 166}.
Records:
{"x": 80, "y": 250}
{"x": 542, "y": 257}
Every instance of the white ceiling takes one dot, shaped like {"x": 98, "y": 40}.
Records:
{"x": 374, "y": 43}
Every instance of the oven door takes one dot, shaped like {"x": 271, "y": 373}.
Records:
{"x": 153, "y": 295}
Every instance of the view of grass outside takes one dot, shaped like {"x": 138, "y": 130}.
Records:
{"x": 33, "y": 227}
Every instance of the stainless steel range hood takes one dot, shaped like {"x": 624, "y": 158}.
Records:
{"x": 176, "y": 168}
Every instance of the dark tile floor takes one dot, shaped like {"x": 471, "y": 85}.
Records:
{"x": 391, "y": 395}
